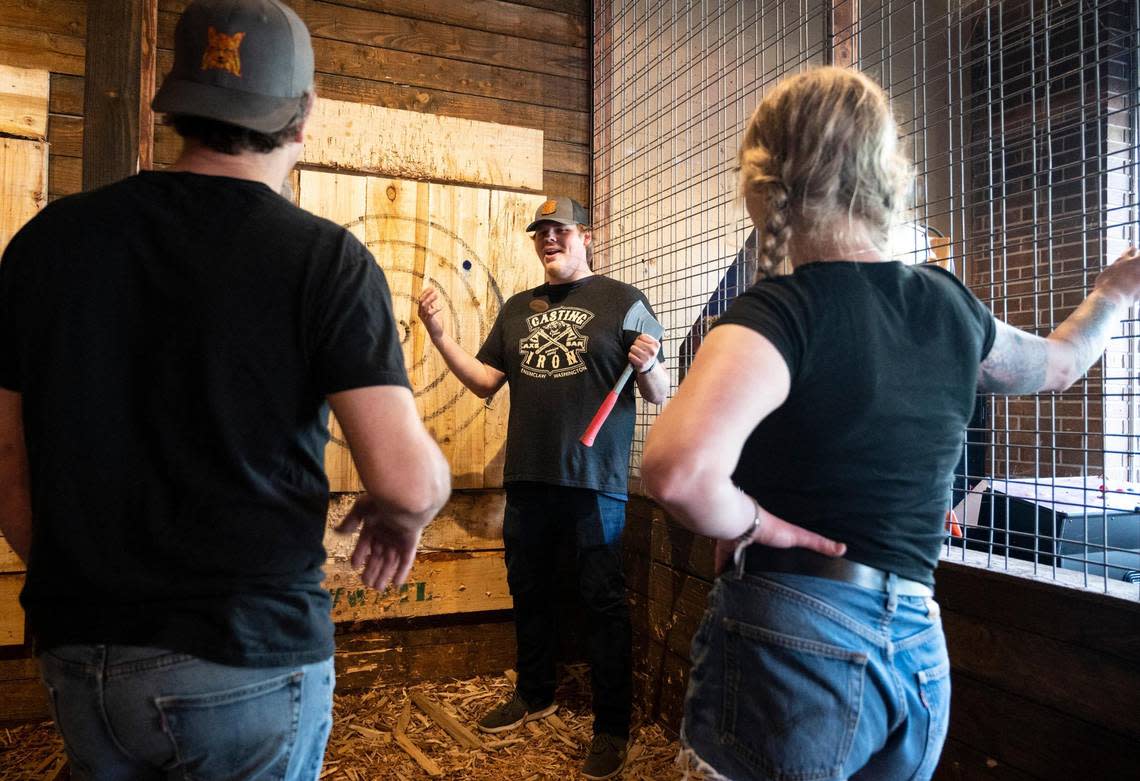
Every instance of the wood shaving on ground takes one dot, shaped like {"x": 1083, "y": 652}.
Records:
{"x": 364, "y": 745}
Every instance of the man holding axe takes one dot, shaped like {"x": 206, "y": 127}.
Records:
{"x": 560, "y": 347}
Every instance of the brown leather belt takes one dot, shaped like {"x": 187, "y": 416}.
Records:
{"x": 759, "y": 559}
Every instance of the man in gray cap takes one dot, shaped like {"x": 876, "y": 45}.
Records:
{"x": 560, "y": 347}
{"x": 169, "y": 348}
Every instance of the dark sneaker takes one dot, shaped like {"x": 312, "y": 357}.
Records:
{"x": 512, "y": 713}
{"x": 607, "y": 757}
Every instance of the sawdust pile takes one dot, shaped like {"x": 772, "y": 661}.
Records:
{"x": 407, "y": 733}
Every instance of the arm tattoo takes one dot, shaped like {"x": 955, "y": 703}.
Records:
{"x": 1016, "y": 363}
{"x": 1088, "y": 330}
{"x": 1023, "y": 363}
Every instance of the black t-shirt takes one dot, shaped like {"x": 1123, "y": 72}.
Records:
{"x": 884, "y": 364}
{"x": 173, "y": 337}
{"x": 562, "y": 348}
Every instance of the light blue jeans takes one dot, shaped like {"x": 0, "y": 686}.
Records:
{"x": 805, "y": 678}
{"x": 127, "y": 712}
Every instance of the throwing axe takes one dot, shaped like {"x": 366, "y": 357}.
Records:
{"x": 636, "y": 319}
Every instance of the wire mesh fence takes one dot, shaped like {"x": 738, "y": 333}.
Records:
{"x": 1020, "y": 118}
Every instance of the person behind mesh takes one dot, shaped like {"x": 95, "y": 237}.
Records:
{"x": 836, "y": 396}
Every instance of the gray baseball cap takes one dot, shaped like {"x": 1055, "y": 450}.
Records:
{"x": 561, "y": 209}
{"x": 245, "y": 62}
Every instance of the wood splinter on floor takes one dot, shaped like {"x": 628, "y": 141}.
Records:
{"x": 462, "y": 735}
{"x": 412, "y": 750}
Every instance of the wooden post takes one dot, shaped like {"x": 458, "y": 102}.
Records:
{"x": 844, "y": 33}
{"x": 118, "y": 124}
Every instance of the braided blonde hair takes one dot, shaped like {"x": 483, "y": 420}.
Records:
{"x": 820, "y": 156}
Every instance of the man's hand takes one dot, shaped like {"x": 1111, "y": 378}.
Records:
{"x": 386, "y": 552}
{"x": 643, "y": 352}
{"x": 430, "y": 312}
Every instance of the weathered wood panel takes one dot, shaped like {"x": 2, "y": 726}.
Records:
{"x": 119, "y": 85}
{"x": 519, "y": 20}
{"x": 962, "y": 763}
{"x": 65, "y": 134}
{"x": 373, "y": 27}
{"x": 11, "y": 614}
{"x": 66, "y": 95}
{"x": 424, "y": 147}
{"x": 556, "y": 123}
{"x": 23, "y": 184}
{"x": 440, "y": 583}
{"x": 982, "y": 649}
{"x": 415, "y": 650}
{"x": 55, "y": 17}
{"x": 24, "y": 102}
{"x": 65, "y": 176}
{"x": 577, "y": 187}
{"x": 467, "y": 242}
{"x": 22, "y": 695}
{"x": 1040, "y": 741}
{"x": 1093, "y": 622}
{"x": 34, "y": 49}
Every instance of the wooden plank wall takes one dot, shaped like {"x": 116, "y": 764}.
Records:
{"x": 1044, "y": 677}
{"x": 523, "y": 63}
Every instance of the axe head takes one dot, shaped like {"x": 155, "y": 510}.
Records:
{"x": 638, "y": 319}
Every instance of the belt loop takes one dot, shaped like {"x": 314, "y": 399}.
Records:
{"x": 892, "y": 592}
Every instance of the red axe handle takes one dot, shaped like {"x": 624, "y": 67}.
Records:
{"x": 605, "y": 409}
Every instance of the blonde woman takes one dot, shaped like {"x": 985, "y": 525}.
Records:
{"x": 835, "y": 397}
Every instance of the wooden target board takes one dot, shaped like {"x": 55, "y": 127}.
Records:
{"x": 470, "y": 244}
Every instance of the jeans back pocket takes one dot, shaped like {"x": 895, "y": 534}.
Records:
{"x": 791, "y": 705}
{"x": 934, "y": 692}
{"x": 239, "y": 733}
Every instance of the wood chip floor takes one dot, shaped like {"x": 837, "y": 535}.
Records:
{"x": 367, "y": 743}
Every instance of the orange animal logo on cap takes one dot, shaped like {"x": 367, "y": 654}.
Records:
{"x": 222, "y": 52}
{"x": 549, "y": 207}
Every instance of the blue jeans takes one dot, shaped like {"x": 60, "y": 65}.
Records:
{"x": 127, "y": 712}
{"x": 800, "y": 677}
{"x": 539, "y": 521}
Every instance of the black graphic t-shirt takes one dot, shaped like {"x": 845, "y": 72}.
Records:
{"x": 884, "y": 366}
{"x": 174, "y": 337}
{"x": 562, "y": 348}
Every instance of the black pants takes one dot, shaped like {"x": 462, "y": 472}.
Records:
{"x": 539, "y": 520}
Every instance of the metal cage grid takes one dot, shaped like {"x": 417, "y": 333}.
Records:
{"x": 1020, "y": 118}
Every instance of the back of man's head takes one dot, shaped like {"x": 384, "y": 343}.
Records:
{"x": 242, "y": 75}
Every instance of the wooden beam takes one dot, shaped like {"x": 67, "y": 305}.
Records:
{"x": 23, "y": 184}
{"x": 844, "y": 33}
{"x": 22, "y": 694}
{"x": 118, "y": 136}
{"x": 440, "y": 584}
{"x": 23, "y": 102}
{"x": 11, "y": 614}
{"x": 418, "y": 649}
{"x": 411, "y": 145}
